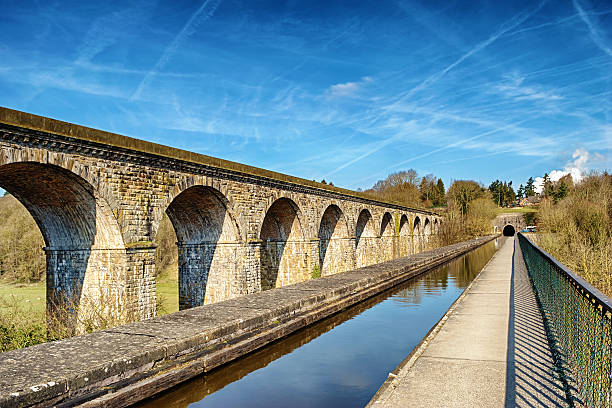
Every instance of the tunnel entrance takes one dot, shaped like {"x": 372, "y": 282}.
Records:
{"x": 509, "y": 231}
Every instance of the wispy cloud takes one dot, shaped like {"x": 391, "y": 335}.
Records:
{"x": 594, "y": 30}
{"x": 206, "y": 11}
{"x": 347, "y": 89}
{"x": 515, "y": 89}
{"x": 369, "y": 150}
{"x": 510, "y": 24}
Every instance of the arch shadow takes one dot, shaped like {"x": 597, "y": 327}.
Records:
{"x": 417, "y": 241}
{"x": 387, "y": 234}
{"x": 404, "y": 236}
{"x": 77, "y": 226}
{"x": 333, "y": 235}
{"x": 365, "y": 237}
{"x": 280, "y": 226}
{"x": 204, "y": 231}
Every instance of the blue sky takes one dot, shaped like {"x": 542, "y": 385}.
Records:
{"x": 347, "y": 91}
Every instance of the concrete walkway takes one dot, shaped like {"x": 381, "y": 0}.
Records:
{"x": 490, "y": 351}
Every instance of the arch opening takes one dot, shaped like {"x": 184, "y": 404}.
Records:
{"x": 404, "y": 236}
{"x": 387, "y": 235}
{"x": 207, "y": 241}
{"x": 417, "y": 239}
{"x": 509, "y": 231}
{"x": 333, "y": 241}
{"x": 426, "y": 233}
{"x": 85, "y": 273}
{"x": 282, "y": 254}
{"x": 365, "y": 240}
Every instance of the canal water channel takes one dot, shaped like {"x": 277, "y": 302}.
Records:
{"x": 340, "y": 361}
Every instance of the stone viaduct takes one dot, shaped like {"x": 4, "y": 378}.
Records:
{"x": 98, "y": 199}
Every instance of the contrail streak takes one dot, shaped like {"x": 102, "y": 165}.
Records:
{"x": 593, "y": 30}
{"x": 206, "y": 11}
{"x": 363, "y": 156}
{"x": 511, "y": 24}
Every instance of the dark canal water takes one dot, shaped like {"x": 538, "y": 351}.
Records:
{"x": 340, "y": 361}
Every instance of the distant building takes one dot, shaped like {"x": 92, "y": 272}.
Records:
{"x": 531, "y": 200}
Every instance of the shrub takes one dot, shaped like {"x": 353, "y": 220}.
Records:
{"x": 316, "y": 272}
{"x": 578, "y": 230}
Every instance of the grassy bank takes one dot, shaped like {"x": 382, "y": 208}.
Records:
{"x": 22, "y": 311}
{"x": 520, "y": 210}
{"x": 22, "y": 315}
{"x": 167, "y": 296}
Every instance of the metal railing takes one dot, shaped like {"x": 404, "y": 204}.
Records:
{"x": 579, "y": 320}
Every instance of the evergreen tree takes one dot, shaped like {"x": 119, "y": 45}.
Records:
{"x": 561, "y": 192}
{"x": 440, "y": 198}
{"x": 529, "y": 190}
{"x": 548, "y": 189}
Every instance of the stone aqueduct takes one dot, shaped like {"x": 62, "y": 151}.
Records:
{"x": 98, "y": 199}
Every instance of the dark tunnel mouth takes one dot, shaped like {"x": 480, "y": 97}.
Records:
{"x": 509, "y": 231}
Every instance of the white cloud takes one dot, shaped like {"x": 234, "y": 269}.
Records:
{"x": 576, "y": 167}
{"x": 347, "y": 88}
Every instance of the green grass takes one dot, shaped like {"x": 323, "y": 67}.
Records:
{"x": 517, "y": 210}
{"x": 33, "y": 296}
{"x": 167, "y": 295}
{"x": 27, "y": 296}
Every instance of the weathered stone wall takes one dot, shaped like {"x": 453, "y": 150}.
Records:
{"x": 517, "y": 221}
{"x": 238, "y": 232}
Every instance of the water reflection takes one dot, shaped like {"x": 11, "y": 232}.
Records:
{"x": 340, "y": 367}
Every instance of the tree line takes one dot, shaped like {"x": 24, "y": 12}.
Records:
{"x": 407, "y": 188}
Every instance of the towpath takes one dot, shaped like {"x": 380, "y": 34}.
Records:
{"x": 490, "y": 350}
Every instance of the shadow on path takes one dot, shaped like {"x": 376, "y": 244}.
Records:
{"x": 530, "y": 376}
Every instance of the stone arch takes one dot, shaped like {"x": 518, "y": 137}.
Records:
{"x": 404, "y": 236}
{"x": 208, "y": 241}
{"x": 387, "y": 237}
{"x": 426, "y": 232}
{"x": 334, "y": 242}
{"x": 9, "y": 155}
{"x": 365, "y": 240}
{"x": 283, "y": 252}
{"x": 187, "y": 182}
{"x": 417, "y": 239}
{"x": 85, "y": 252}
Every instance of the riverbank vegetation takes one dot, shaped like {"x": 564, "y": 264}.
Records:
{"x": 577, "y": 229}
{"x": 407, "y": 188}
{"x": 468, "y": 214}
